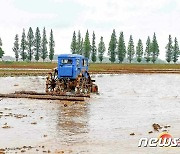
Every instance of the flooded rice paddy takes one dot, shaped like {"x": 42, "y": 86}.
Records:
{"x": 127, "y": 103}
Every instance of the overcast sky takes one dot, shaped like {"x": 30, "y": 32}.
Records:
{"x": 141, "y": 18}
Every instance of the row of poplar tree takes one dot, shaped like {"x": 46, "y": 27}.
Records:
{"x": 34, "y": 46}
{"x": 117, "y": 48}
{"x": 84, "y": 47}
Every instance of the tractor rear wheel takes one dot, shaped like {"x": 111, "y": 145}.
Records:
{"x": 61, "y": 86}
{"x": 82, "y": 85}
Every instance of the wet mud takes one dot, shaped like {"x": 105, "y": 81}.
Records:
{"x": 129, "y": 107}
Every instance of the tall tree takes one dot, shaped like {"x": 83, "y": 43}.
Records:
{"x": 73, "y": 43}
{"x": 0, "y": 42}
{"x": 30, "y": 44}
{"x": 44, "y": 52}
{"x": 147, "y": 53}
{"x": 16, "y": 47}
{"x": 37, "y": 44}
{"x": 79, "y": 44}
{"x": 51, "y": 46}
{"x": 87, "y": 46}
{"x": 81, "y": 51}
{"x": 169, "y": 50}
{"x": 1, "y": 50}
{"x": 154, "y": 49}
{"x": 121, "y": 49}
{"x": 176, "y": 52}
{"x": 130, "y": 50}
{"x": 112, "y": 47}
{"x": 23, "y": 46}
{"x": 101, "y": 49}
{"x": 93, "y": 48}
{"x": 139, "y": 51}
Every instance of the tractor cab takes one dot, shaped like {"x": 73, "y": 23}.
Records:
{"x": 71, "y": 65}
{"x": 71, "y": 75}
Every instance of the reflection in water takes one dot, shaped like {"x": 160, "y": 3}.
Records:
{"x": 72, "y": 121}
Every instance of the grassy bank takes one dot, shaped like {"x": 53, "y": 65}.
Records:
{"x": 116, "y": 67}
{"x": 93, "y": 68}
{"x": 24, "y": 65}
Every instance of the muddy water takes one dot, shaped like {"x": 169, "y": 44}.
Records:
{"x": 127, "y": 103}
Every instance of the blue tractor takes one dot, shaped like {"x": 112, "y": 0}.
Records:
{"x": 71, "y": 75}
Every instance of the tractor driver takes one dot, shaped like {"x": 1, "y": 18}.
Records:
{"x": 69, "y": 61}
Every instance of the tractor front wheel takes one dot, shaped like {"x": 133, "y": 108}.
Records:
{"x": 51, "y": 81}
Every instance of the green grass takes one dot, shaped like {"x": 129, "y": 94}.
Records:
{"x": 33, "y": 65}
{"x": 110, "y": 67}
{"x": 94, "y": 67}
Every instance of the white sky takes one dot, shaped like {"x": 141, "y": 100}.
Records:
{"x": 141, "y": 18}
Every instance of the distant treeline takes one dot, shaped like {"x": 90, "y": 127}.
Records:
{"x": 34, "y": 46}
{"x": 117, "y": 49}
